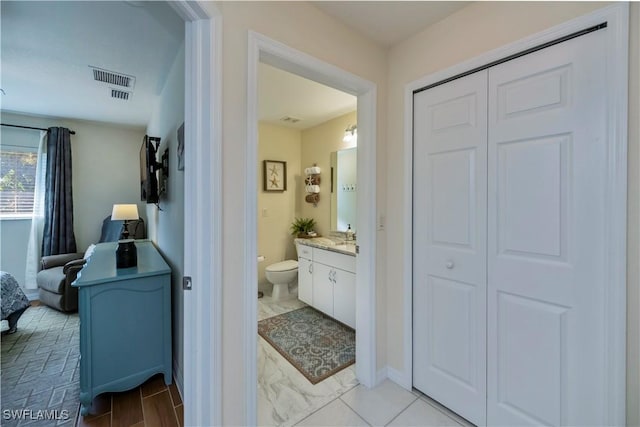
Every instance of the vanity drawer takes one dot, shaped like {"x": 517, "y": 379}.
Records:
{"x": 305, "y": 251}
{"x": 334, "y": 259}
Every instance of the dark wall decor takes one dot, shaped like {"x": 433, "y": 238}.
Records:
{"x": 181, "y": 147}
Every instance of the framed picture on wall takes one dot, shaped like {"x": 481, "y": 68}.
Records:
{"x": 275, "y": 175}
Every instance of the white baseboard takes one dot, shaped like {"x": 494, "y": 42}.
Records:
{"x": 178, "y": 377}
{"x": 32, "y": 294}
{"x": 381, "y": 375}
{"x": 400, "y": 378}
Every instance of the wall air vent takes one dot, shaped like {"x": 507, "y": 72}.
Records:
{"x": 120, "y": 94}
{"x": 113, "y": 78}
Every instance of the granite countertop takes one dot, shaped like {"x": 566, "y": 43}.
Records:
{"x": 334, "y": 245}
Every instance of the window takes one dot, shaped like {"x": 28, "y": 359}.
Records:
{"x": 17, "y": 181}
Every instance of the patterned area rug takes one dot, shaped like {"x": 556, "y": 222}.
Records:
{"x": 314, "y": 343}
{"x": 40, "y": 370}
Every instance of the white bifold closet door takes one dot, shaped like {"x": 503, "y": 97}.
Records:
{"x": 546, "y": 281}
{"x": 528, "y": 326}
{"x": 450, "y": 244}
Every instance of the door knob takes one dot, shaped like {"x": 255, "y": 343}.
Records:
{"x": 449, "y": 264}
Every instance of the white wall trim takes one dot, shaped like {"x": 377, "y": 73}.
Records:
{"x": 616, "y": 232}
{"x": 381, "y": 375}
{"x": 400, "y": 378}
{"x": 366, "y": 318}
{"x": 202, "y": 384}
{"x": 32, "y": 294}
{"x": 178, "y": 377}
{"x": 264, "y": 49}
{"x": 251, "y": 247}
{"x": 617, "y": 18}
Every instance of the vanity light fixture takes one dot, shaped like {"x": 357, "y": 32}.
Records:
{"x": 351, "y": 132}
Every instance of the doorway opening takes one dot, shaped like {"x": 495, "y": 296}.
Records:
{"x": 266, "y": 51}
{"x": 306, "y": 198}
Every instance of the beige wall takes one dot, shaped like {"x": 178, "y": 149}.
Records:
{"x": 277, "y": 210}
{"x": 317, "y": 144}
{"x": 301, "y": 26}
{"x": 469, "y": 32}
{"x": 476, "y": 29}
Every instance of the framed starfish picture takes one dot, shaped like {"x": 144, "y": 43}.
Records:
{"x": 275, "y": 175}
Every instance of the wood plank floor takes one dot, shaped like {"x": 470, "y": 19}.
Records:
{"x": 150, "y": 405}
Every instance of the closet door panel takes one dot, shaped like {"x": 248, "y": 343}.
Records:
{"x": 546, "y": 175}
{"x": 449, "y": 276}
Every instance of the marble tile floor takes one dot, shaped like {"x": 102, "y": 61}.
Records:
{"x": 388, "y": 404}
{"x": 286, "y": 398}
{"x": 267, "y": 307}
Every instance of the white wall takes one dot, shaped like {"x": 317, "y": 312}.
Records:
{"x": 304, "y": 27}
{"x": 166, "y": 226}
{"x": 471, "y": 31}
{"x": 105, "y": 161}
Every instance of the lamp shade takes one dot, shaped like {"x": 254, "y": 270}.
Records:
{"x": 124, "y": 212}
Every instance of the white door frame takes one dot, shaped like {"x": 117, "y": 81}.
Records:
{"x": 617, "y": 18}
{"x": 202, "y": 329}
{"x": 264, "y": 49}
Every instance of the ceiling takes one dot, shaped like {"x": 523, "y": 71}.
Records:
{"x": 389, "y": 22}
{"x": 282, "y": 94}
{"x": 47, "y": 48}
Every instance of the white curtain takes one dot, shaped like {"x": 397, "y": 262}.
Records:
{"x": 34, "y": 248}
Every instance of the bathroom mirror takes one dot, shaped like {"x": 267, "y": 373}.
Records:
{"x": 343, "y": 189}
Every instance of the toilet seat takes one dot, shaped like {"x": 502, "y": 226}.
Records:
{"x": 281, "y": 266}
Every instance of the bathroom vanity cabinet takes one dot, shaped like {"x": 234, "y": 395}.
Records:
{"x": 305, "y": 280}
{"x": 327, "y": 282}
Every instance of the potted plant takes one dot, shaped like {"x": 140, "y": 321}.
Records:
{"x": 301, "y": 227}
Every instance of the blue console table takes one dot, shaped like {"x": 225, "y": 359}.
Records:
{"x": 125, "y": 321}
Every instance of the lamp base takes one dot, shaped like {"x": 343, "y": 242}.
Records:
{"x": 126, "y": 254}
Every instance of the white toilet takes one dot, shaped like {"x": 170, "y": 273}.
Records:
{"x": 281, "y": 274}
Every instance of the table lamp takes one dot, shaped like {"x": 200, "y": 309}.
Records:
{"x": 126, "y": 255}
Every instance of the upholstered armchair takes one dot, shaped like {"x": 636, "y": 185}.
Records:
{"x": 59, "y": 271}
